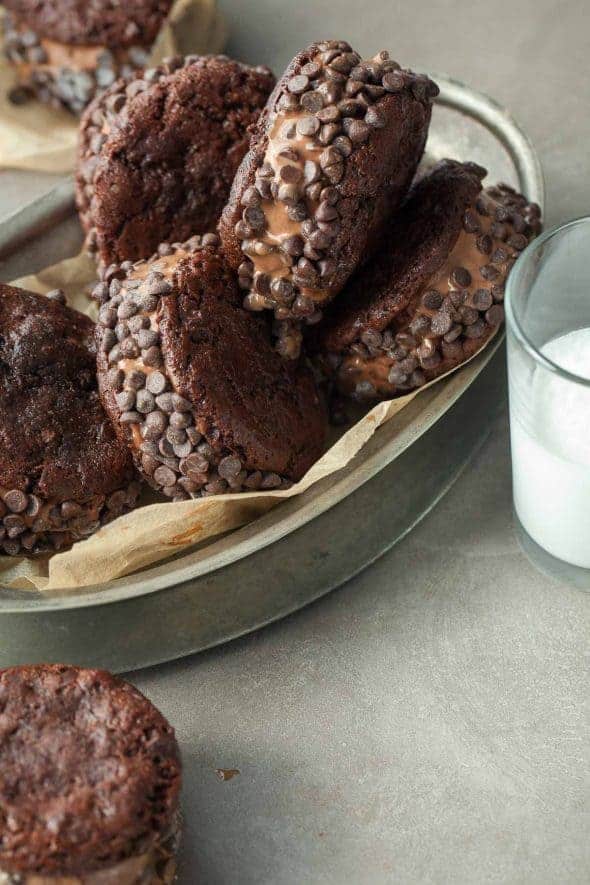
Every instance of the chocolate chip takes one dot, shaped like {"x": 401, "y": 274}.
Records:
{"x": 328, "y": 132}
{"x": 319, "y": 240}
{"x": 482, "y": 206}
{"x": 396, "y": 376}
{"x": 147, "y": 338}
{"x": 144, "y": 401}
{"x": 16, "y": 500}
{"x": 293, "y": 245}
{"x": 311, "y": 69}
{"x": 357, "y": 130}
{"x": 475, "y": 330}
{"x": 180, "y": 420}
{"x": 518, "y": 242}
{"x": 262, "y": 283}
{"x": 432, "y": 299}
{"x": 489, "y": 272}
{"x": 495, "y": 315}
{"x": 332, "y": 92}
{"x": 290, "y": 174}
{"x": 250, "y": 197}
{"x": 326, "y": 212}
{"x": 100, "y": 292}
{"x": 345, "y": 62}
{"x": 470, "y": 222}
{"x": 308, "y": 126}
{"x": 298, "y": 84}
{"x": 372, "y": 338}
{"x": 501, "y": 213}
{"x": 180, "y": 403}
{"x": 408, "y": 364}
{"x": 500, "y": 255}
{"x": 460, "y": 277}
{"x": 125, "y": 400}
{"x": 288, "y": 193}
{"x": 157, "y": 287}
{"x": 107, "y": 316}
{"x": 374, "y": 118}
{"x": 454, "y": 333}
{"x": 373, "y": 92}
{"x": 332, "y": 164}
{"x": 394, "y": 81}
{"x": 312, "y": 101}
{"x": 311, "y": 171}
{"x": 130, "y": 417}
{"x": 129, "y": 349}
{"x": 327, "y": 267}
{"x": 127, "y": 309}
{"x": 420, "y": 326}
{"x": 164, "y": 476}
{"x": 229, "y": 467}
{"x": 484, "y": 244}
{"x": 254, "y": 216}
{"x": 468, "y": 315}
{"x": 297, "y": 212}
{"x": 441, "y": 323}
{"x": 482, "y": 299}
{"x": 282, "y": 290}
{"x": 350, "y": 107}
{"x": 331, "y": 114}
{"x": 270, "y": 481}
{"x": 343, "y": 144}
{"x": 498, "y": 231}
{"x": 519, "y": 224}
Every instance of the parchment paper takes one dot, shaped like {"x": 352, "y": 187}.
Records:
{"x": 156, "y": 531}
{"x": 39, "y": 138}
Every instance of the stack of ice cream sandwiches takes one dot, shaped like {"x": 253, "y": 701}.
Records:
{"x": 258, "y": 244}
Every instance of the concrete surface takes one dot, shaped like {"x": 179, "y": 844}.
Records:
{"x": 423, "y": 724}
{"x": 428, "y": 722}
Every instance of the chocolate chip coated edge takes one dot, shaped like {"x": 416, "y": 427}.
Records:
{"x": 433, "y": 295}
{"x": 193, "y": 384}
{"x": 331, "y": 158}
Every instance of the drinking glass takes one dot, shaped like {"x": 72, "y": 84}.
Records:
{"x": 548, "y": 342}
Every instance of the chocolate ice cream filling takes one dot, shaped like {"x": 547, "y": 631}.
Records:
{"x": 67, "y": 74}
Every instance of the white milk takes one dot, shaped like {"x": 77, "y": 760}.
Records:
{"x": 550, "y": 436}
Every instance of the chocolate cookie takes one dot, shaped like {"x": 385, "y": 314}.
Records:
{"x": 89, "y": 780}
{"x": 433, "y": 294}
{"x": 331, "y": 158}
{"x": 68, "y": 51}
{"x": 192, "y": 382}
{"x": 63, "y": 473}
{"x": 158, "y": 155}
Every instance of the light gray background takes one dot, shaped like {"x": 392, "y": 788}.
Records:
{"x": 427, "y": 723}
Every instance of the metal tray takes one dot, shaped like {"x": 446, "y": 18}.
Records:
{"x": 307, "y": 545}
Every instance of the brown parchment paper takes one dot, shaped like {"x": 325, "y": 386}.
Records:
{"x": 156, "y": 531}
{"x": 41, "y": 139}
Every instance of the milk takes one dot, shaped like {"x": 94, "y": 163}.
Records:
{"x": 550, "y": 437}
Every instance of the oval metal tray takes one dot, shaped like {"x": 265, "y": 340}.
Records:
{"x": 309, "y": 544}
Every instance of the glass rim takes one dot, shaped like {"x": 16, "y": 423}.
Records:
{"x": 512, "y": 322}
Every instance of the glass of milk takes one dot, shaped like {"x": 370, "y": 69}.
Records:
{"x": 548, "y": 331}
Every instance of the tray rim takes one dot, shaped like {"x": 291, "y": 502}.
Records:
{"x": 386, "y": 445}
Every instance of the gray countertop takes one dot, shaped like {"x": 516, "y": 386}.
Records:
{"x": 426, "y": 723}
